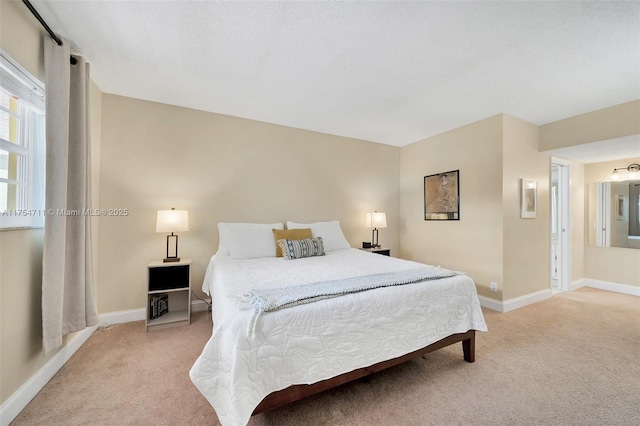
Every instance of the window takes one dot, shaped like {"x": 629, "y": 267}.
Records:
{"x": 22, "y": 143}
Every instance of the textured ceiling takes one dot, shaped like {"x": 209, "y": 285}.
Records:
{"x": 389, "y": 72}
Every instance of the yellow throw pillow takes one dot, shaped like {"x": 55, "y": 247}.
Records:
{"x": 290, "y": 234}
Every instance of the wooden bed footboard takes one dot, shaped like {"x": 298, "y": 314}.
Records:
{"x": 297, "y": 392}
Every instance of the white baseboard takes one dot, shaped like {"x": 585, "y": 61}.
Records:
{"x": 519, "y": 302}
{"x": 200, "y": 305}
{"x": 489, "y": 303}
{"x": 578, "y": 284}
{"x": 527, "y": 299}
{"x": 609, "y": 286}
{"x": 515, "y": 303}
{"x": 20, "y": 398}
{"x": 121, "y": 317}
{"x": 131, "y": 315}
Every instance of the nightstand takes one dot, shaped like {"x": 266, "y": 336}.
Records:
{"x": 168, "y": 289}
{"x": 381, "y": 250}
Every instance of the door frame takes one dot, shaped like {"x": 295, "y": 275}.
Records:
{"x": 564, "y": 203}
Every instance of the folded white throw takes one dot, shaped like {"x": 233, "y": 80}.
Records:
{"x": 273, "y": 299}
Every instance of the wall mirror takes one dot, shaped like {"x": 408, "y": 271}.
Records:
{"x": 614, "y": 214}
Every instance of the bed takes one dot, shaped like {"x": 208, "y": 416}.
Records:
{"x": 256, "y": 362}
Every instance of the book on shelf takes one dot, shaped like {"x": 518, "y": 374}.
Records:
{"x": 158, "y": 305}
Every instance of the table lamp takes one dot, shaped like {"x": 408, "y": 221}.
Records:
{"x": 376, "y": 220}
{"x": 172, "y": 221}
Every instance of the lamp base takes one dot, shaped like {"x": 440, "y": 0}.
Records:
{"x": 374, "y": 238}
{"x": 172, "y": 249}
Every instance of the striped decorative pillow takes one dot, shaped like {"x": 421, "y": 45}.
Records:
{"x": 290, "y": 234}
{"x": 296, "y": 249}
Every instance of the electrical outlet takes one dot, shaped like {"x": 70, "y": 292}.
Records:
{"x": 493, "y": 287}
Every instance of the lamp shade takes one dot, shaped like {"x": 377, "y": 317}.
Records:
{"x": 376, "y": 220}
{"x": 172, "y": 221}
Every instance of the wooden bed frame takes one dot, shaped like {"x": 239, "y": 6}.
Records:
{"x": 296, "y": 392}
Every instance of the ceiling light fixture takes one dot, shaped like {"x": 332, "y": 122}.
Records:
{"x": 633, "y": 169}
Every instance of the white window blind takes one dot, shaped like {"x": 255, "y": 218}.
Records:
{"x": 22, "y": 146}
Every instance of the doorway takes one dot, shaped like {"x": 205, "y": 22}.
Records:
{"x": 560, "y": 228}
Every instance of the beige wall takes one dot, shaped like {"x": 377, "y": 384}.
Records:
{"x": 612, "y": 264}
{"x": 607, "y": 264}
{"x": 474, "y": 244}
{"x": 21, "y": 356}
{"x": 490, "y": 242}
{"x": 221, "y": 168}
{"x": 21, "y": 322}
{"x": 608, "y": 123}
{"x": 149, "y": 156}
{"x": 20, "y": 250}
{"x": 21, "y": 36}
{"x": 526, "y": 242}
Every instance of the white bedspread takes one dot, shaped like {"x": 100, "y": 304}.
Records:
{"x": 312, "y": 342}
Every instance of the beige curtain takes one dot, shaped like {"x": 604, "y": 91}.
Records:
{"x": 67, "y": 286}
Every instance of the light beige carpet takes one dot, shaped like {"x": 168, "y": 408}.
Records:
{"x": 570, "y": 360}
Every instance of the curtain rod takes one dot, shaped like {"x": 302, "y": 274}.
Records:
{"x": 44, "y": 24}
{"x": 46, "y": 27}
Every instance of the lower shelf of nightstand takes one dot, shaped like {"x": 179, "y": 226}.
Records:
{"x": 170, "y": 319}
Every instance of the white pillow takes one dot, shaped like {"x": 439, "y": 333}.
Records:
{"x": 331, "y": 233}
{"x": 225, "y": 227}
{"x": 246, "y": 243}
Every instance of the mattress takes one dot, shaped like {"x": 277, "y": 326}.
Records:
{"x": 316, "y": 341}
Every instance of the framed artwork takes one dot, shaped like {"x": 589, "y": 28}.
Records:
{"x": 620, "y": 207}
{"x": 442, "y": 196}
{"x": 529, "y": 199}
